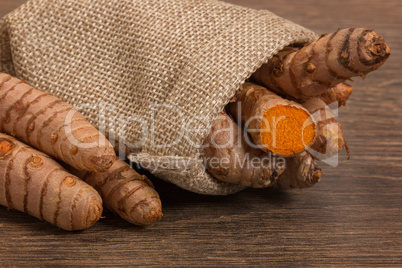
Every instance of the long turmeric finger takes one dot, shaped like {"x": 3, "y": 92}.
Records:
{"x": 332, "y": 59}
{"x": 52, "y": 126}
{"x": 126, "y": 193}
{"x": 301, "y": 171}
{"x": 32, "y": 182}
{"x": 228, "y": 157}
{"x": 275, "y": 124}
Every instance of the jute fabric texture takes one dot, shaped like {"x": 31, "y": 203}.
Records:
{"x": 152, "y": 74}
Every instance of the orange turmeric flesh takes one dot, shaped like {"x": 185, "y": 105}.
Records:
{"x": 287, "y": 130}
{"x": 5, "y": 147}
{"x": 275, "y": 124}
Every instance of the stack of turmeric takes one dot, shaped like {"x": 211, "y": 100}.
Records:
{"x": 32, "y": 182}
{"x": 281, "y": 112}
{"x": 284, "y": 109}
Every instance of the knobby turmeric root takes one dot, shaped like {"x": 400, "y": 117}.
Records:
{"x": 229, "y": 157}
{"x": 277, "y": 125}
{"x": 32, "y": 182}
{"x": 339, "y": 93}
{"x": 319, "y": 66}
{"x": 52, "y": 126}
{"x": 126, "y": 193}
{"x": 329, "y": 141}
{"x": 301, "y": 171}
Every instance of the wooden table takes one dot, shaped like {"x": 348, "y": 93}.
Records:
{"x": 352, "y": 217}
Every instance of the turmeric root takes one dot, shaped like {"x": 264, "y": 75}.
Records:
{"x": 32, "y": 182}
{"x": 52, "y": 126}
{"x": 301, "y": 171}
{"x": 275, "y": 124}
{"x": 340, "y": 93}
{"x": 329, "y": 141}
{"x": 228, "y": 157}
{"x": 126, "y": 193}
{"x": 332, "y": 59}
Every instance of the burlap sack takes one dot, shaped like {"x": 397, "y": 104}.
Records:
{"x": 150, "y": 66}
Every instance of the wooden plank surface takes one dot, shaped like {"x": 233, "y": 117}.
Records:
{"x": 352, "y": 217}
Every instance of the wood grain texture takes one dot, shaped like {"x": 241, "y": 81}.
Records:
{"x": 352, "y": 217}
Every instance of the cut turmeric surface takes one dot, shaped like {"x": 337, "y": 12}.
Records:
{"x": 32, "y": 182}
{"x": 223, "y": 147}
{"x": 275, "y": 124}
{"x": 228, "y": 156}
{"x": 126, "y": 193}
{"x": 52, "y": 126}
{"x": 291, "y": 134}
{"x": 321, "y": 65}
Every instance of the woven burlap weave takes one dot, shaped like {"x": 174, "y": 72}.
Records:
{"x": 150, "y": 66}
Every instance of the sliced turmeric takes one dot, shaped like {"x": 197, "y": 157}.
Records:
{"x": 275, "y": 124}
{"x": 228, "y": 157}
{"x": 52, "y": 126}
{"x": 222, "y": 147}
{"x": 32, "y": 182}
{"x": 319, "y": 66}
{"x": 126, "y": 193}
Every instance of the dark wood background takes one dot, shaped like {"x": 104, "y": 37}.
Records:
{"x": 352, "y": 217}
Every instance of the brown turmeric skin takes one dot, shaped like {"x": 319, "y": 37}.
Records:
{"x": 329, "y": 141}
{"x": 228, "y": 156}
{"x": 340, "y": 93}
{"x": 52, "y": 126}
{"x": 33, "y": 183}
{"x": 301, "y": 171}
{"x": 321, "y": 65}
{"x": 275, "y": 124}
{"x": 126, "y": 193}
